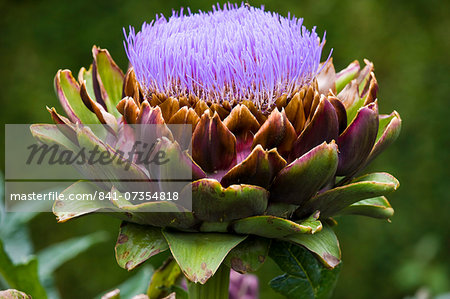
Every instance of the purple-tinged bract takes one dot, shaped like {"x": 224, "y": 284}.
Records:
{"x": 231, "y": 53}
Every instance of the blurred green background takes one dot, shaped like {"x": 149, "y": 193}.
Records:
{"x": 409, "y": 42}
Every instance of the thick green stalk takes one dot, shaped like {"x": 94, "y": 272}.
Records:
{"x": 216, "y": 287}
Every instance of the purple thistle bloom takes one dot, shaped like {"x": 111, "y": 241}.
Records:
{"x": 233, "y": 53}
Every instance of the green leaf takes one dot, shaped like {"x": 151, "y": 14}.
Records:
{"x": 324, "y": 244}
{"x": 346, "y": 75}
{"x": 12, "y": 223}
{"x": 200, "y": 254}
{"x": 156, "y": 213}
{"x": 86, "y": 75}
{"x": 249, "y": 255}
{"x": 50, "y": 134}
{"x": 161, "y": 214}
{"x": 163, "y": 279}
{"x": 137, "y": 284}
{"x": 211, "y": 202}
{"x": 110, "y": 79}
{"x": 377, "y": 207}
{"x": 353, "y": 110}
{"x": 14, "y": 232}
{"x": 351, "y": 99}
{"x": 274, "y": 227}
{"x": 331, "y": 202}
{"x": 389, "y": 128}
{"x": 54, "y": 256}
{"x": 137, "y": 243}
{"x": 68, "y": 91}
{"x": 23, "y": 277}
{"x": 305, "y": 277}
{"x": 384, "y": 121}
{"x": 364, "y": 75}
{"x": 68, "y": 209}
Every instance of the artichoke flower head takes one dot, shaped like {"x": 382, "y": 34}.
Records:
{"x": 279, "y": 139}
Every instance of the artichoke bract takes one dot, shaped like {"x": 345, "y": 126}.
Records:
{"x": 279, "y": 139}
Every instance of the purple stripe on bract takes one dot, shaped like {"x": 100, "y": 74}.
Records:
{"x": 230, "y": 53}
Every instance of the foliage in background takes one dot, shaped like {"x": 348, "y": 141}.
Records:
{"x": 33, "y": 273}
{"x": 408, "y": 42}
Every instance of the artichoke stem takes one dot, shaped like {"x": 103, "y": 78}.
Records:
{"x": 216, "y": 287}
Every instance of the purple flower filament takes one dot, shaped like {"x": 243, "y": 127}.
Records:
{"x": 231, "y": 53}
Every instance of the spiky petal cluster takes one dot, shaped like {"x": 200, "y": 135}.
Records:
{"x": 226, "y": 54}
